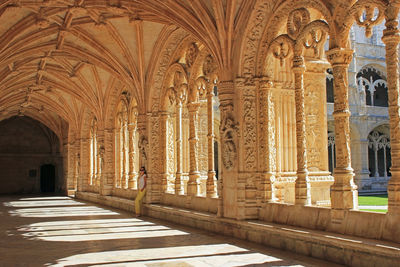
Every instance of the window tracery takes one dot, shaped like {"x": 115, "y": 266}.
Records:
{"x": 372, "y": 87}
{"x": 379, "y": 154}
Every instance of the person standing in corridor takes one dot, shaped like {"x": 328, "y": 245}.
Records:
{"x": 141, "y": 191}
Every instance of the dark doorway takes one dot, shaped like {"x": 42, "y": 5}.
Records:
{"x": 47, "y": 178}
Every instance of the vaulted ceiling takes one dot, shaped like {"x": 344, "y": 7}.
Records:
{"x": 59, "y": 57}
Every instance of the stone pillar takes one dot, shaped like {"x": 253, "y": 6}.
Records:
{"x": 267, "y": 143}
{"x": 343, "y": 192}
{"x": 178, "y": 127}
{"x": 84, "y": 151}
{"x": 227, "y": 205}
{"x": 155, "y": 160}
{"x": 77, "y": 163}
{"x": 124, "y": 180}
{"x": 211, "y": 192}
{"x": 164, "y": 147}
{"x": 302, "y": 186}
{"x": 132, "y": 152}
{"x": 118, "y": 154}
{"x": 143, "y": 141}
{"x": 100, "y": 160}
{"x": 194, "y": 173}
{"x": 106, "y": 161}
{"x": 391, "y": 38}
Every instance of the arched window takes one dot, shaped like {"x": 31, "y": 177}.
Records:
{"x": 379, "y": 154}
{"x": 329, "y": 86}
{"x": 373, "y": 87}
{"x": 93, "y": 176}
{"x": 331, "y": 151}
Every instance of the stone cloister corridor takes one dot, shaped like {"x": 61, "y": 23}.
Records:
{"x": 223, "y": 102}
{"x": 59, "y": 231}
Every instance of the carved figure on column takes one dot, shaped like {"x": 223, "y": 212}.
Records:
{"x": 229, "y": 129}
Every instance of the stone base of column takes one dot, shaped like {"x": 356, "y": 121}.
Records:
{"x": 106, "y": 190}
{"x": 164, "y": 182}
{"x": 267, "y": 189}
{"x": 344, "y": 194}
{"x": 393, "y": 199}
{"x": 131, "y": 181}
{"x": 192, "y": 186}
{"x": 211, "y": 192}
{"x": 302, "y": 190}
{"x": 178, "y": 184}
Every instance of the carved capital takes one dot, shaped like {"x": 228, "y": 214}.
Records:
{"x": 339, "y": 56}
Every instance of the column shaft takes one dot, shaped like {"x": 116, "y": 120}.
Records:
{"x": 391, "y": 38}
{"x": 194, "y": 173}
{"x": 343, "y": 191}
{"x": 302, "y": 186}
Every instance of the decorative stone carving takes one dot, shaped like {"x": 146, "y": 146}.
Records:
{"x": 209, "y": 67}
{"x": 228, "y": 129}
{"x": 191, "y": 54}
{"x": 365, "y": 16}
{"x": 391, "y": 38}
{"x": 297, "y": 19}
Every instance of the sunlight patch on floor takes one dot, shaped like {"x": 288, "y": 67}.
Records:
{"x": 43, "y": 203}
{"x": 61, "y": 212}
{"x": 201, "y": 255}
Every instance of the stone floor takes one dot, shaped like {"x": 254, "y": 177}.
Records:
{"x": 60, "y": 231}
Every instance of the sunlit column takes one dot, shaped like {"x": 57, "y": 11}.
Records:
{"x": 164, "y": 146}
{"x": 132, "y": 152}
{"x": 124, "y": 158}
{"x": 211, "y": 192}
{"x": 267, "y": 141}
{"x": 178, "y": 127}
{"x": 343, "y": 191}
{"x": 391, "y": 38}
{"x": 117, "y": 133}
{"x": 194, "y": 173}
{"x": 302, "y": 186}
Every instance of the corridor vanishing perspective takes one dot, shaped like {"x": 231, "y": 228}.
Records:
{"x": 238, "y": 110}
{"x": 59, "y": 231}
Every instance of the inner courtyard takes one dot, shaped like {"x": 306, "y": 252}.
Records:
{"x": 259, "y": 120}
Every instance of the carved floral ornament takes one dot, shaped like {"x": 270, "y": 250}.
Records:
{"x": 210, "y": 68}
{"x": 191, "y": 54}
{"x": 367, "y": 16}
{"x": 297, "y": 19}
{"x": 311, "y": 37}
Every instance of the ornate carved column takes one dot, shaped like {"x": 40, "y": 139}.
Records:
{"x": 124, "y": 182}
{"x": 100, "y": 159}
{"x": 164, "y": 149}
{"x": 85, "y": 164}
{"x": 142, "y": 145}
{"x": 132, "y": 152}
{"x": 77, "y": 163}
{"x": 106, "y": 162}
{"x": 211, "y": 192}
{"x": 391, "y": 38}
{"x": 267, "y": 144}
{"x": 302, "y": 186}
{"x": 343, "y": 191}
{"x": 118, "y": 154}
{"x": 178, "y": 121}
{"x": 194, "y": 173}
{"x": 228, "y": 206}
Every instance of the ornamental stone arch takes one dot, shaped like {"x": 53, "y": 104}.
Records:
{"x": 372, "y": 85}
{"x": 163, "y": 62}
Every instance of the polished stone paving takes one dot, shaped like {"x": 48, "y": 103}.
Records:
{"x": 60, "y": 231}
